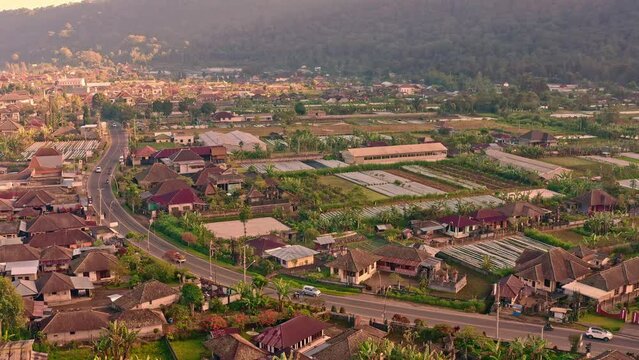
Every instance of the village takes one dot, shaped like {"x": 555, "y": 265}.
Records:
{"x": 226, "y": 216}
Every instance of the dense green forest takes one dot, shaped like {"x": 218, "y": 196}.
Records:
{"x": 562, "y": 40}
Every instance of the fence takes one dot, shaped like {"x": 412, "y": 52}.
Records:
{"x": 619, "y": 316}
{"x": 171, "y": 351}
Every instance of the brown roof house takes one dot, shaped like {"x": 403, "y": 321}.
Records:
{"x": 18, "y": 252}
{"x": 46, "y": 166}
{"x": 185, "y": 161}
{"x": 620, "y": 282}
{"x": 355, "y": 266}
{"x": 54, "y": 222}
{"x": 155, "y": 174}
{"x": 406, "y": 260}
{"x": 537, "y": 138}
{"x": 97, "y": 266}
{"x": 593, "y": 257}
{"x": 68, "y": 238}
{"x": 291, "y": 256}
{"x": 265, "y": 242}
{"x": 510, "y": 289}
{"x": 148, "y": 323}
{"x": 76, "y": 326}
{"x": 142, "y": 156}
{"x": 35, "y": 199}
{"x": 233, "y": 347}
{"x": 149, "y": 295}
{"x": 55, "y": 258}
{"x": 54, "y": 287}
{"x": 548, "y": 271}
{"x": 595, "y": 200}
{"x": 294, "y": 334}
{"x": 176, "y": 202}
{"x": 343, "y": 346}
{"x": 458, "y": 226}
{"x": 522, "y": 213}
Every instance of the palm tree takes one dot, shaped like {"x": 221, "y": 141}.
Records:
{"x": 116, "y": 343}
{"x": 283, "y": 289}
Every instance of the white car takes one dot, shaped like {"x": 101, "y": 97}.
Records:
{"x": 311, "y": 291}
{"x": 599, "y": 334}
{"x": 98, "y": 169}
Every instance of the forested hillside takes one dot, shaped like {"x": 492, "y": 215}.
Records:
{"x": 563, "y": 40}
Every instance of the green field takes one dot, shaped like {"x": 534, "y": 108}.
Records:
{"x": 568, "y": 236}
{"x": 369, "y": 245}
{"x": 580, "y": 166}
{"x": 156, "y": 350}
{"x": 347, "y": 186}
{"x": 190, "y": 349}
{"x": 601, "y": 321}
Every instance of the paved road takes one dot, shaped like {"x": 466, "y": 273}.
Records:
{"x": 366, "y": 306}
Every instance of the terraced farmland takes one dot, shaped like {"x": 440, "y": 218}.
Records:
{"x": 372, "y": 211}
{"x": 388, "y": 184}
{"x": 502, "y": 253}
{"x": 431, "y": 173}
{"x": 71, "y": 150}
{"x": 460, "y": 172}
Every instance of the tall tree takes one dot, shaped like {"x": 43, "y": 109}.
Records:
{"x": 116, "y": 343}
{"x": 11, "y": 308}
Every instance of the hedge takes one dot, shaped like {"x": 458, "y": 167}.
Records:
{"x": 478, "y": 306}
{"x": 547, "y": 238}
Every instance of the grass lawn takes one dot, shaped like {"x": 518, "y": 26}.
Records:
{"x": 601, "y": 321}
{"x": 479, "y": 286}
{"x": 347, "y": 186}
{"x": 325, "y": 288}
{"x": 568, "y": 236}
{"x": 368, "y": 245}
{"x": 158, "y": 146}
{"x": 153, "y": 350}
{"x": 579, "y": 165}
{"x": 190, "y": 349}
{"x": 71, "y": 354}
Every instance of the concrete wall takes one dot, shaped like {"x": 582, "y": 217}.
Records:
{"x": 298, "y": 262}
{"x": 156, "y": 304}
{"x": 79, "y": 336}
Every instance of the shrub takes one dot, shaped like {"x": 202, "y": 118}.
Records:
{"x": 546, "y": 238}
{"x": 342, "y": 310}
{"x": 189, "y": 238}
{"x": 333, "y": 309}
{"x": 240, "y": 320}
{"x": 267, "y": 318}
{"x": 213, "y": 322}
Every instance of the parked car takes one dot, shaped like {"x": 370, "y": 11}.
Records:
{"x": 175, "y": 256}
{"x": 598, "y": 333}
{"x": 98, "y": 169}
{"x": 311, "y": 291}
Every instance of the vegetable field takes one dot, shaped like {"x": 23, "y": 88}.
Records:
{"x": 502, "y": 253}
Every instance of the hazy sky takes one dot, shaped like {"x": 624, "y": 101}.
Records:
{"x": 17, "y": 4}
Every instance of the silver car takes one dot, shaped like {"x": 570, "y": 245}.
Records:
{"x": 598, "y": 333}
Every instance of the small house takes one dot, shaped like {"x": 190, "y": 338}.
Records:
{"x": 354, "y": 267}
{"x": 291, "y": 256}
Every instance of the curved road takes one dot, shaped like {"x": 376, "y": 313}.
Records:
{"x": 366, "y": 306}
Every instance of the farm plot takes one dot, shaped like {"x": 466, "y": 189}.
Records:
{"x": 283, "y": 166}
{"x": 460, "y": 172}
{"x": 451, "y": 204}
{"x": 607, "y": 160}
{"x": 502, "y": 253}
{"x": 388, "y": 184}
{"x": 543, "y": 169}
{"x": 71, "y": 150}
{"x": 320, "y": 164}
{"x": 431, "y": 173}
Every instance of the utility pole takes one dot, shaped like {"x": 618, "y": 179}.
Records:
{"x": 100, "y": 208}
{"x": 210, "y": 259}
{"x": 244, "y": 262}
{"x": 148, "y": 236}
{"x": 498, "y": 306}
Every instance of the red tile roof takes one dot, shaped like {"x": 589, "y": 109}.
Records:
{"x": 182, "y": 196}
{"x": 290, "y": 332}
